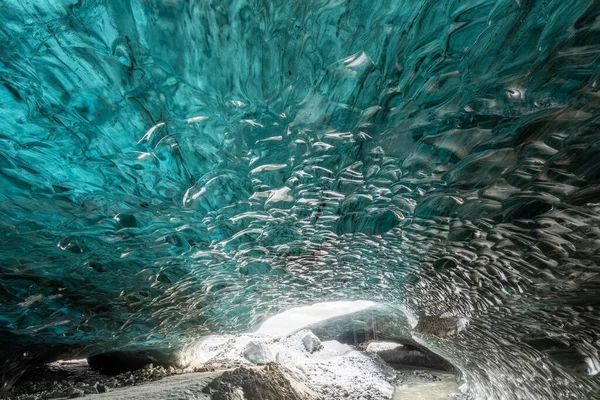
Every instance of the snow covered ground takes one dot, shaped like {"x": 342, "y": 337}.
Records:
{"x": 315, "y": 370}
{"x": 331, "y": 369}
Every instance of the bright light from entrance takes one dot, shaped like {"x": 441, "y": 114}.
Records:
{"x": 297, "y": 318}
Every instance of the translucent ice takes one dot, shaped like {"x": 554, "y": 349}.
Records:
{"x": 173, "y": 168}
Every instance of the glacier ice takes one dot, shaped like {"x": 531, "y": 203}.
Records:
{"x": 170, "y": 169}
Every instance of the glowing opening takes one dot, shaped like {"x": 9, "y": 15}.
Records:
{"x": 297, "y": 318}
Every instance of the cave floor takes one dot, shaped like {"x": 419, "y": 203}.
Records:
{"x": 330, "y": 372}
{"x": 417, "y": 384}
{"x": 185, "y": 386}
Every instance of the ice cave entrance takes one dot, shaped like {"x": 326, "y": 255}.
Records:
{"x": 297, "y": 318}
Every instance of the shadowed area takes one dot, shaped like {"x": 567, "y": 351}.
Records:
{"x": 170, "y": 169}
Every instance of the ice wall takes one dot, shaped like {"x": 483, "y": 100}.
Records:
{"x": 170, "y": 168}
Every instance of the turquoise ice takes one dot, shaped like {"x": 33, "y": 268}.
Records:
{"x": 170, "y": 168}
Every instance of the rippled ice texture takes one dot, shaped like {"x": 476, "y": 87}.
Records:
{"x": 170, "y": 167}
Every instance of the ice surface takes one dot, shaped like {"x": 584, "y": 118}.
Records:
{"x": 330, "y": 370}
{"x": 170, "y": 169}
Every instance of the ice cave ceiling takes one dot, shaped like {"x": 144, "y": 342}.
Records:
{"x": 170, "y": 168}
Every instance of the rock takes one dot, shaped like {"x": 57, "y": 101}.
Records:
{"x": 57, "y": 394}
{"x": 258, "y": 353}
{"x": 90, "y": 389}
{"x": 311, "y": 342}
{"x": 111, "y": 384}
{"x": 408, "y": 355}
{"x": 101, "y": 388}
{"x": 253, "y": 384}
{"x": 74, "y": 393}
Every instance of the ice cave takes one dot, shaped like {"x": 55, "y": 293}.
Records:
{"x": 300, "y": 200}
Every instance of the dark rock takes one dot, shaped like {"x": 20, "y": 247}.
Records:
{"x": 101, "y": 388}
{"x": 56, "y": 394}
{"x": 90, "y": 389}
{"x": 74, "y": 393}
{"x": 269, "y": 383}
{"x": 408, "y": 355}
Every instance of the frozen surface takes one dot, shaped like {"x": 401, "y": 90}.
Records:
{"x": 333, "y": 370}
{"x": 171, "y": 169}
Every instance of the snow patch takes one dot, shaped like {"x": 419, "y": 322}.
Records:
{"x": 331, "y": 369}
{"x": 376, "y": 347}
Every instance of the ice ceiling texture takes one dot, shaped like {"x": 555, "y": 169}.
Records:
{"x": 172, "y": 168}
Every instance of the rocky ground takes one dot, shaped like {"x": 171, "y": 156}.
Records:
{"x": 248, "y": 367}
{"x": 75, "y": 379}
